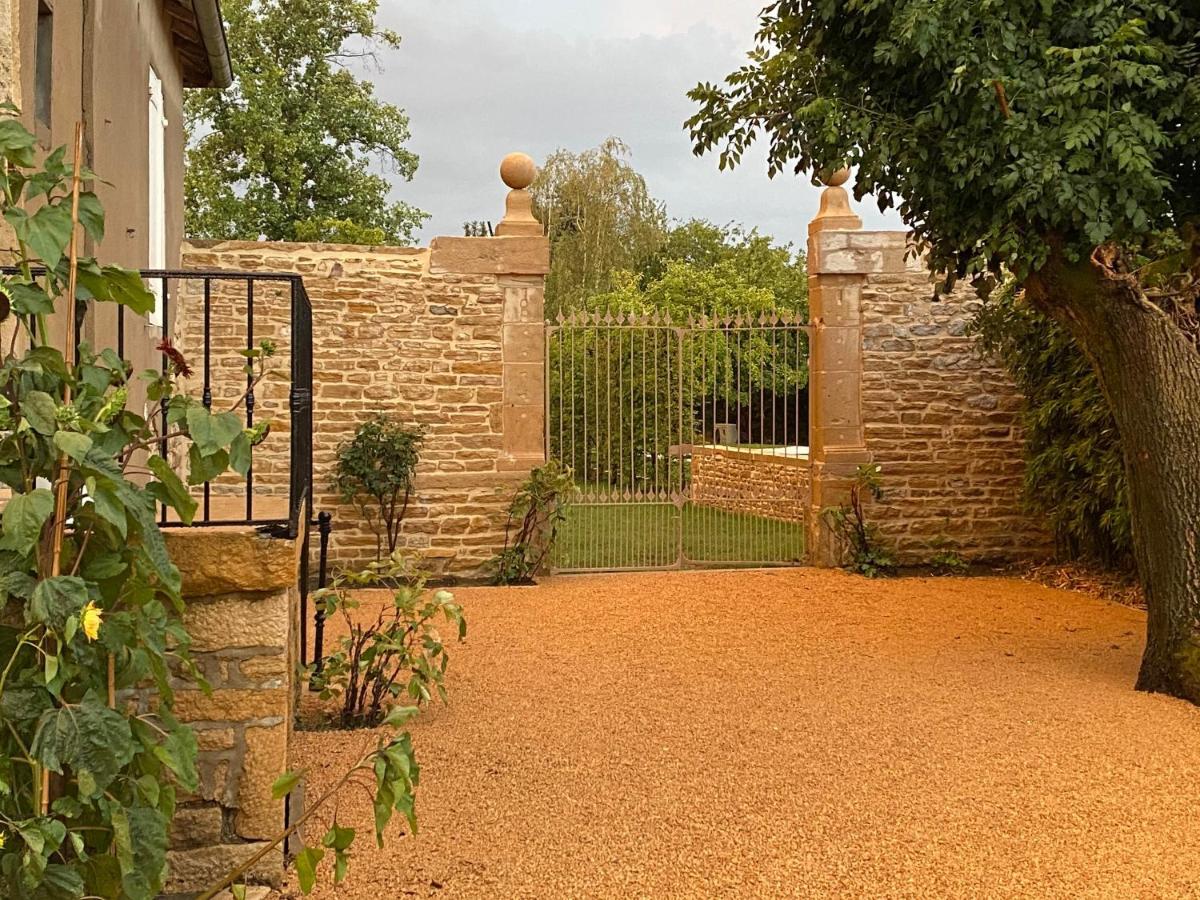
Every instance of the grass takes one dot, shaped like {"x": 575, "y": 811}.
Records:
{"x": 647, "y": 535}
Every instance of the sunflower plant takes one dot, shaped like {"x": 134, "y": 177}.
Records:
{"x": 91, "y": 637}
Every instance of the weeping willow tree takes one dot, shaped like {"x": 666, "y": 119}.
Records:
{"x": 600, "y": 219}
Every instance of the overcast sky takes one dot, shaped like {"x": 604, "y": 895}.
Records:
{"x": 481, "y": 78}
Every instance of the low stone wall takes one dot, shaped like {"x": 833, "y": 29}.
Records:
{"x": 449, "y": 338}
{"x": 749, "y": 481}
{"x": 242, "y": 614}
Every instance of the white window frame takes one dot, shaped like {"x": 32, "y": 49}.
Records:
{"x": 156, "y": 230}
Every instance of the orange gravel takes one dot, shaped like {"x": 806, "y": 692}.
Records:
{"x": 789, "y": 733}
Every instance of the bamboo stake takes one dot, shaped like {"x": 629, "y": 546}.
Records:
{"x": 62, "y": 480}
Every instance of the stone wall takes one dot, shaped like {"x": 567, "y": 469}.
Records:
{"x": 242, "y": 613}
{"x": 897, "y": 381}
{"x": 942, "y": 422}
{"x": 747, "y": 481}
{"x": 448, "y": 338}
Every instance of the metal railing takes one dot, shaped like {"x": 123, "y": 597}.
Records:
{"x": 201, "y": 288}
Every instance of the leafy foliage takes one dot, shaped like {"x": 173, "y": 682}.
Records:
{"x": 398, "y": 656}
{"x": 389, "y": 772}
{"x": 600, "y": 219}
{"x": 1075, "y": 475}
{"x": 375, "y": 470}
{"x": 537, "y": 511}
{"x": 995, "y": 128}
{"x": 89, "y": 599}
{"x": 286, "y": 153}
{"x": 860, "y": 538}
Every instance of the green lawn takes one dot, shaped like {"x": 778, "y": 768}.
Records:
{"x": 647, "y": 535}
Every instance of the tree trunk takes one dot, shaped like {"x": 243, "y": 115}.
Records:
{"x": 1150, "y": 373}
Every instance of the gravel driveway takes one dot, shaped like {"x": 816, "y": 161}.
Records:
{"x": 789, "y": 733}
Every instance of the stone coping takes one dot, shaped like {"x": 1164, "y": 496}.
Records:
{"x": 231, "y": 560}
{"x": 758, "y": 454}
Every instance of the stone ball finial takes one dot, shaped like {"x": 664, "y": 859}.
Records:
{"x": 518, "y": 171}
{"x": 834, "y": 179}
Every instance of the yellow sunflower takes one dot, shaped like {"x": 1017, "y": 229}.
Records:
{"x": 90, "y": 619}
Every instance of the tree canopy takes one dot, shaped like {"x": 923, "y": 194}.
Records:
{"x": 600, "y": 218}
{"x": 995, "y": 128}
{"x": 290, "y": 151}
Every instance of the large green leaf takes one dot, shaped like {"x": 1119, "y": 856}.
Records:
{"x": 212, "y": 432}
{"x": 141, "y": 850}
{"x": 307, "y": 861}
{"x": 16, "y": 143}
{"x": 88, "y": 738}
{"x": 178, "y": 753}
{"x": 126, "y": 287}
{"x": 202, "y": 468}
{"x": 24, "y": 516}
{"x": 91, "y": 215}
{"x": 74, "y": 444}
{"x": 50, "y": 232}
{"x": 175, "y": 493}
{"x": 40, "y": 411}
{"x": 57, "y": 599}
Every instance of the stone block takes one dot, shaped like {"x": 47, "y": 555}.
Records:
{"x": 231, "y": 705}
{"x": 195, "y": 870}
{"x": 492, "y": 256}
{"x": 196, "y": 826}
{"x": 221, "y": 623}
{"x": 219, "y": 561}
{"x": 258, "y": 814}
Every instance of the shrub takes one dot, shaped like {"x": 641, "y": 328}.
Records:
{"x": 375, "y": 471}
{"x": 536, "y": 512}
{"x": 1075, "y": 475}
{"x": 398, "y": 655}
{"x": 860, "y": 538}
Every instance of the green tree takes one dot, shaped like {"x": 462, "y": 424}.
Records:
{"x": 600, "y": 219}
{"x": 286, "y": 153}
{"x": 755, "y": 259}
{"x": 1057, "y": 139}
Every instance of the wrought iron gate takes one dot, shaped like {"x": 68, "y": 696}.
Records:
{"x": 687, "y": 440}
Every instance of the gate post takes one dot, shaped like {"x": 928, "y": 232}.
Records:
{"x": 837, "y": 445}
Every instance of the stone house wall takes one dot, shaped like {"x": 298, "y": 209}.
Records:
{"x": 243, "y": 616}
{"x": 448, "y": 338}
{"x": 763, "y": 484}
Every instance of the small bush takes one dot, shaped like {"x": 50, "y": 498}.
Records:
{"x": 375, "y": 471}
{"x": 861, "y": 539}
{"x": 399, "y": 655}
{"x": 536, "y": 512}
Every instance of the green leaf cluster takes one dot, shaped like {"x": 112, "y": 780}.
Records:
{"x": 998, "y": 129}
{"x": 1075, "y": 473}
{"x": 109, "y": 594}
{"x": 537, "y": 511}
{"x": 376, "y": 471}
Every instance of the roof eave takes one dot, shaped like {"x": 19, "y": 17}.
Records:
{"x": 212, "y": 30}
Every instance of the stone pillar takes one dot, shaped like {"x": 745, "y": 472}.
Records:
{"x": 243, "y": 616}
{"x": 519, "y": 257}
{"x": 836, "y": 442}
